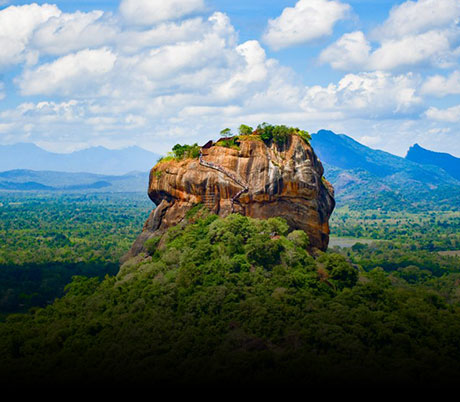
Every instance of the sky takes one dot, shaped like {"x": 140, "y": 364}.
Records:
{"x": 153, "y": 73}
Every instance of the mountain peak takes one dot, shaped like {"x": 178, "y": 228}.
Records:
{"x": 99, "y": 159}
{"x": 445, "y": 161}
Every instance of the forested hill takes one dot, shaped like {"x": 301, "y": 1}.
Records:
{"x": 240, "y": 301}
{"x": 372, "y": 178}
{"x": 445, "y": 161}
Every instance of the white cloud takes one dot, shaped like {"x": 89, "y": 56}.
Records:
{"x": 414, "y": 17}
{"x": 350, "y": 52}
{"x": 70, "y": 32}
{"x": 440, "y": 86}
{"x": 168, "y": 33}
{"x": 150, "y": 12}
{"x": 451, "y": 115}
{"x": 253, "y": 70}
{"x": 426, "y": 32}
{"x": 353, "y": 52}
{"x": 97, "y": 81}
{"x": 17, "y": 24}
{"x": 308, "y": 20}
{"x": 367, "y": 95}
{"x": 67, "y": 74}
{"x": 370, "y": 141}
{"x": 431, "y": 47}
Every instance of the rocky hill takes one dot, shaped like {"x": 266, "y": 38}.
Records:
{"x": 246, "y": 175}
{"x": 445, "y": 161}
{"x": 367, "y": 178}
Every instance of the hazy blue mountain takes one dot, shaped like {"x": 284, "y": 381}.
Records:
{"x": 30, "y": 180}
{"x": 374, "y": 178}
{"x": 445, "y": 161}
{"x": 93, "y": 160}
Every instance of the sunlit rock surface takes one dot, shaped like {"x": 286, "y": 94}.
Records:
{"x": 258, "y": 180}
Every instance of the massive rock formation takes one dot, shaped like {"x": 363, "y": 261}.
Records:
{"x": 258, "y": 180}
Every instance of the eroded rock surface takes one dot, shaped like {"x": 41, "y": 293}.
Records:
{"x": 258, "y": 180}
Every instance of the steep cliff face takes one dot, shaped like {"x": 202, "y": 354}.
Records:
{"x": 258, "y": 180}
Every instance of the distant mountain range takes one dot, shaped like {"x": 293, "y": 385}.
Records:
{"x": 373, "y": 178}
{"x": 445, "y": 161}
{"x": 29, "y": 180}
{"x": 361, "y": 176}
{"x": 97, "y": 160}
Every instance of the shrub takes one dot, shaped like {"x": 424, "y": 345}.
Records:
{"x": 265, "y": 131}
{"x": 152, "y": 244}
{"x": 186, "y": 151}
{"x": 180, "y": 152}
{"x": 245, "y": 130}
{"x": 280, "y": 134}
{"x": 299, "y": 238}
{"x": 229, "y": 143}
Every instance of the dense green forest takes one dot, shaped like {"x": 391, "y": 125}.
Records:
{"x": 239, "y": 299}
{"x": 46, "y": 238}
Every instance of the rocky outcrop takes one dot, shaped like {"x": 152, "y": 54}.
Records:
{"x": 258, "y": 180}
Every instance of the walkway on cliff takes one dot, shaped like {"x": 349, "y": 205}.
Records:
{"x": 229, "y": 174}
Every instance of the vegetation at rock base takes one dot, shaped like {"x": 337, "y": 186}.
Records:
{"x": 241, "y": 299}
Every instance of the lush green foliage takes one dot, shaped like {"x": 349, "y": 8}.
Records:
{"x": 430, "y": 231}
{"x": 241, "y": 299}
{"x": 266, "y": 132}
{"x": 226, "y": 132}
{"x": 47, "y": 238}
{"x": 245, "y": 130}
{"x": 232, "y": 142}
{"x": 280, "y": 134}
{"x": 180, "y": 152}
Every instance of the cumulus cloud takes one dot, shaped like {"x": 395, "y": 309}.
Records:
{"x": 350, "y": 52}
{"x": 67, "y": 74}
{"x": 70, "y": 32}
{"x": 415, "y": 17}
{"x": 254, "y": 69}
{"x": 431, "y": 47}
{"x": 451, "y": 115}
{"x": 150, "y": 12}
{"x": 17, "y": 25}
{"x": 370, "y": 141}
{"x": 308, "y": 20}
{"x": 440, "y": 86}
{"x": 372, "y": 95}
{"x": 98, "y": 78}
{"x": 166, "y": 33}
{"x": 425, "y": 32}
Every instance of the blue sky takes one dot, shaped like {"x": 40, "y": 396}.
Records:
{"x": 153, "y": 73}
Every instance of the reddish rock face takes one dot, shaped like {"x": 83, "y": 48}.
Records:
{"x": 258, "y": 180}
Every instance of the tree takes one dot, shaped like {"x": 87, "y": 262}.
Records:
{"x": 245, "y": 130}
{"x": 226, "y": 132}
